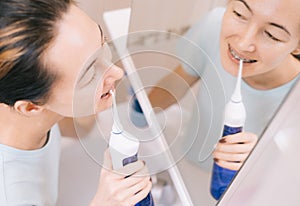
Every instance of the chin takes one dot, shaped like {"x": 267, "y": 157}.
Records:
{"x": 229, "y": 67}
{"x": 103, "y": 107}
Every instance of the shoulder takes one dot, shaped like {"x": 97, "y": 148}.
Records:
{"x": 38, "y": 167}
{"x": 2, "y": 187}
{"x": 209, "y": 26}
{"x": 201, "y": 42}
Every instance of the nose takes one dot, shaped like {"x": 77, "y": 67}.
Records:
{"x": 246, "y": 41}
{"x": 113, "y": 74}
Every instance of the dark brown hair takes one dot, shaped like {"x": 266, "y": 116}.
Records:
{"x": 27, "y": 27}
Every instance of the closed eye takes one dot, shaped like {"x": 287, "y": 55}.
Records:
{"x": 237, "y": 14}
{"x": 91, "y": 79}
{"x": 272, "y": 37}
{"x": 89, "y": 76}
{"x": 240, "y": 16}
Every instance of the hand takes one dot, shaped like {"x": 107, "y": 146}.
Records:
{"x": 117, "y": 189}
{"x": 232, "y": 150}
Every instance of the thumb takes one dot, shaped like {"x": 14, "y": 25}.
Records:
{"x": 132, "y": 168}
{"x": 107, "y": 162}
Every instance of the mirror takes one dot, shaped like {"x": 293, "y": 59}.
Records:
{"x": 154, "y": 54}
{"x": 279, "y": 144}
{"x": 191, "y": 145}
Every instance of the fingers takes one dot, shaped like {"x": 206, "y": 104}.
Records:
{"x": 131, "y": 168}
{"x": 135, "y": 187}
{"x": 137, "y": 191}
{"x": 232, "y": 157}
{"x": 107, "y": 162}
{"x": 232, "y": 150}
{"x": 229, "y": 165}
{"x": 237, "y": 143}
{"x": 136, "y": 168}
{"x": 136, "y": 178}
{"x": 243, "y": 137}
{"x": 141, "y": 194}
{"x": 117, "y": 188}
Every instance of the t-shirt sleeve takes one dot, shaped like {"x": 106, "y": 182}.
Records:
{"x": 30, "y": 177}
{"x": 2, "y": 188}
{"x": 201, "y": 42}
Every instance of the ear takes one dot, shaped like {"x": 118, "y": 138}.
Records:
{"x": 28, "y": 108}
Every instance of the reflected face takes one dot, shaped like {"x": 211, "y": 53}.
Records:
{"x": 263, "y": 33}
{"x": 82, "y": 61}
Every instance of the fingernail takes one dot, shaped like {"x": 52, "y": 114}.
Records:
{"x": 216, "y": 160}
{"x": 223, "y": 140}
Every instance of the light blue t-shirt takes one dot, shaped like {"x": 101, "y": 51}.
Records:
{"x": 30, "y": 177}
{"x": 199, "y": 52}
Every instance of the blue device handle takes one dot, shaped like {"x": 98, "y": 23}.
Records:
{"x": 222, "y": 177}
{"x": 147, "y": 201}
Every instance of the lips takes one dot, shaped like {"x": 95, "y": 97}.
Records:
{"x": 238, "y": 57}
{"x": 104, "y": 95}
{"x": 107, "y": 94}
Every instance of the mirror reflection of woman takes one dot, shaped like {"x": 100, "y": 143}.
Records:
{"x": 266, "y": 35}
{"x": 44, "y": 48}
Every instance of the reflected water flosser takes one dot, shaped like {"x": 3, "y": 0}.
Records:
{"x": 234, "y": 120}
{"x": 123, "y": 148}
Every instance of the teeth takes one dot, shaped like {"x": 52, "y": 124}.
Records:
{"x": 239, "y": 58}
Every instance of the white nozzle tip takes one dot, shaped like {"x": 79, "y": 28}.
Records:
{"x": 236, "y": 96}
{"x": 111, "y": 92}
{"x": 240, "y": 70}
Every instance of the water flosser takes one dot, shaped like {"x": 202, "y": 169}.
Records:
{"x": 123, "y": 148}
{"x": 234, "y": 120}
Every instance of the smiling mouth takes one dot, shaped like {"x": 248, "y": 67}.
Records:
{"x": 236, "y": 56}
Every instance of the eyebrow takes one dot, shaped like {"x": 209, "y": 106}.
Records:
{"x": 86, "y": 70}
{"x": 246, "y": 5}
{"x": 280, "y": 27}
{"x": 101, "y": 32}
{"x": 91, "y": 64}
{"x": 270, "y": 23}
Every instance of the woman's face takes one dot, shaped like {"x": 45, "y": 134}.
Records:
{"x": 263, "y": 33}
{"x": 82, "y": 62}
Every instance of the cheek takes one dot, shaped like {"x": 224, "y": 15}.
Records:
{"x": 228, "y": 25}
{"x": 61, "y": 97}
{"x": 103, "y": 105}
{"x": 223, "y": 51}
{"x": 278, "y": 56}
{"x": 271, "y": 64}
{"x": 226, "y": 32}
{"x": 60, "y": 104}
{"x": 84, "y": 100}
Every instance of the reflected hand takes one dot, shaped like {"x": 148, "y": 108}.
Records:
{"x": 116, "y": 190}
{"x": 232, "y": 150}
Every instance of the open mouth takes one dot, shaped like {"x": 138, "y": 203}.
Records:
{"x": 236, "y": 56}
{"x": 105, "y": 95}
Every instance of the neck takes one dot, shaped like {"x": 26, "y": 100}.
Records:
{"x": 276, "y": 77}
{"x": 23, "y": 132}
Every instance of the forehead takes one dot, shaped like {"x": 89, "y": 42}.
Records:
{"x": 77, "y": 38}
{"x": 283, "y": 12}
{"x": 276, "y": 9}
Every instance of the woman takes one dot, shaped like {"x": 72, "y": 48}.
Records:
{"x": 265, "y": 35}
{"x": 49, "y": 48}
